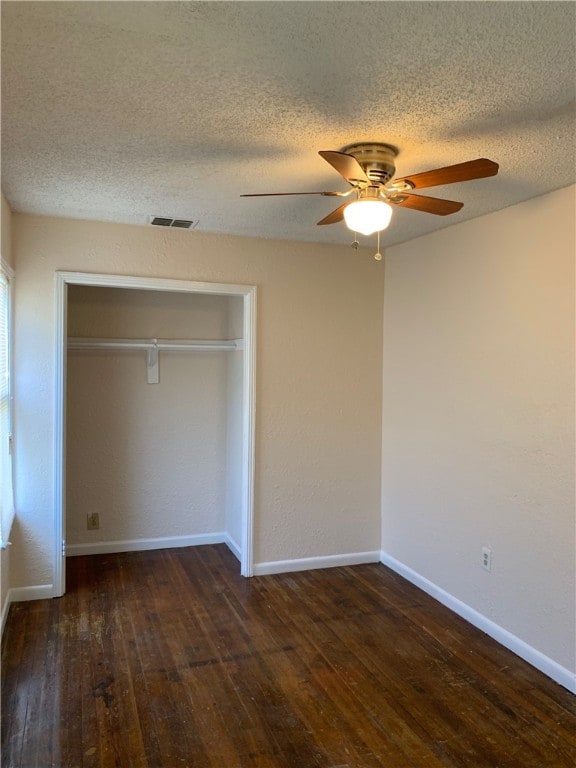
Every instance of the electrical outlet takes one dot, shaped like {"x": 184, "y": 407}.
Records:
{"x": 487, "y": 558}
{"x": 93, "y": 521}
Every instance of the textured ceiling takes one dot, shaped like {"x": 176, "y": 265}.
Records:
{"x": 121, "y": 110}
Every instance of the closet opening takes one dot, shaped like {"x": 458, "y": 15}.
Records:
{"x": 154, "y": 429}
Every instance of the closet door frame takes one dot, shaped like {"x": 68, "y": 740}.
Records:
{"x": 248, "y": 292}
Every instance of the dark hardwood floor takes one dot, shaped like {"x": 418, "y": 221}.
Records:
{"x": 170, "y": 659}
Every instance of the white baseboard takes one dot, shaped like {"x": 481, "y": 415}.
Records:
{"x": 4, "y": 616}
{"x": 311, "y": 563}
{"x": 138, "y": 545}
{"x": 22, "y": 594}
{"x": 233, "y": 546}
{"x": 548, "y": 666}
{"x": 37, "y": 592}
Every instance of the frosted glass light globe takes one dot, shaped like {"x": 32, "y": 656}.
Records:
{"x": 367, "y": 216}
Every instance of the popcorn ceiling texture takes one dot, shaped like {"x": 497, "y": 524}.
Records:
{"x": 116, "y": 111}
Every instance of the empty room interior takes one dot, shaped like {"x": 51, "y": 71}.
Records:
{"x": 287, "y": 436}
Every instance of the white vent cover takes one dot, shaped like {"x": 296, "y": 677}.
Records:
{"x": 165, "y": 221}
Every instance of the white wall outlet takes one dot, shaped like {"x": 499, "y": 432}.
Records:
{"x": 487, "y": 558}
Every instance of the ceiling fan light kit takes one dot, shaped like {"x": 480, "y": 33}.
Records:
{"x": 369, "y": 168}
{"x": 367, "y": 216}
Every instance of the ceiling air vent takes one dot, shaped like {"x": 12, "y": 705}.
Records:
{"x": 163, "y": 221}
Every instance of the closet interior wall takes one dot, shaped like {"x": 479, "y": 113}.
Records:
{"x": 153, "y": 460}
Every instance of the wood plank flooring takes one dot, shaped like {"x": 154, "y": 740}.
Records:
{"x": 169, "y": 659}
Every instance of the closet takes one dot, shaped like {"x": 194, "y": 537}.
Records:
{"x": 153, "y": 419}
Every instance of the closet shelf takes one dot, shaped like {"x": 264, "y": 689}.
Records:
{"x": 153, "y": 346}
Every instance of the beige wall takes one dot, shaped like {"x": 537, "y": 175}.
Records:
{"x": 478, "y": 416}
{"x": 478, "y": 438}
{"x": 318, "y": 392}
{"x": 151, "y": 459}
{"x": 6, "y": 253}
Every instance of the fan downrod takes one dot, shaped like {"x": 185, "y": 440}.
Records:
{"x": 376, "y": 159}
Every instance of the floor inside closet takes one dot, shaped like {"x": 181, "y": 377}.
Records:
{"x": 170, "y": 658}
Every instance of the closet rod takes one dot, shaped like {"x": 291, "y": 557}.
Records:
{"x": 155, "y": 344}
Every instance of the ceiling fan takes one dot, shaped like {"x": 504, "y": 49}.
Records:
{"x": 369, "y": 169}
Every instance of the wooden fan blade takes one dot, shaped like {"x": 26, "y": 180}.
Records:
{"x": 473, "y": 169}
{"x": 346, "y": 165}
{"x": 283, "y": 194}
{"x": 427, "y": 204}
{"x": 336, "y": 215}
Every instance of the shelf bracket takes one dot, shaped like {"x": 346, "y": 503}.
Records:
{"x": 152, "y": 363}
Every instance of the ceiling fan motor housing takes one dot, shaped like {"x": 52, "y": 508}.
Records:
{"x": 377, "y": 160}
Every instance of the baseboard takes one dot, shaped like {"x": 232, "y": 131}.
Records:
{"x": 138, "y": 545}
{"x": 4, "y": 616}
{"x": 312, "y": 563}
{"x": 36, "y": 592}
{"x": 548, "y": 666}
{"x": 23, "y": 594}
{"x": 233, "y": 546}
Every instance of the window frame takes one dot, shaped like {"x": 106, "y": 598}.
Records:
{"x": 7, "y": 273}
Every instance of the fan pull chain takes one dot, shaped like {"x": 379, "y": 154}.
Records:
{"x": 378, "y": 255}
{"x": 355, "y": 242}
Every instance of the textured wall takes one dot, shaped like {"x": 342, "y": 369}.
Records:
{"x": 116, "y": 311}
{"x": 151, "y": 459}
{"x": 478, "y": 440}
{"x": 318, "y": 394}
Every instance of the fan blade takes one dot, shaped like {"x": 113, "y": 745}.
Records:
{"x": 283, "y": 194}
{"x": 336, "y": 215}
{"x": 473, "y": 169}
{"x": 346, "y": 165}
{"x": 427, "y": 204}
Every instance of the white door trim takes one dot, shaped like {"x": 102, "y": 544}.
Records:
{"x": 63, "y": 280}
